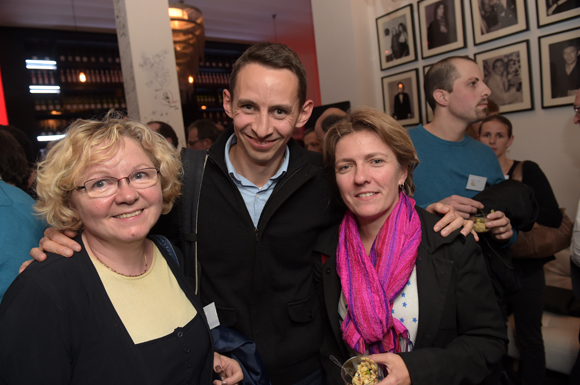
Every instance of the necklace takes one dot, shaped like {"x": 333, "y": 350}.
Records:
{"x": 124, "y": 275}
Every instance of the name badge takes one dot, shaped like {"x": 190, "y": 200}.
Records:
{"x": 476, "y": 183}
{"x": 211, "y": 315}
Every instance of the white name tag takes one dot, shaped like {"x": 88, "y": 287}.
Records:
{"x": 211, "y": 315}
{"x": 476, "y": 183}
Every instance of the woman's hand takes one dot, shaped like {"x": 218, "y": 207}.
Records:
{"x": 500, "y": 225}
{"x": 228, "y": 369}
{"x": 451, "y": 220}
{"x": 397, "y": 372}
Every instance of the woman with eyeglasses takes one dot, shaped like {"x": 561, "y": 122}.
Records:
{"x": 121, "y": 311}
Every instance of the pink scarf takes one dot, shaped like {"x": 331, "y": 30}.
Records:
{"x": 371, "y": 283}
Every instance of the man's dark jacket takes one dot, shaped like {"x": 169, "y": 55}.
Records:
{"x": 261, "y": 278}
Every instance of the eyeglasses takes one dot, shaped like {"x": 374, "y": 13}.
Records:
{"x": 107, "y": 186}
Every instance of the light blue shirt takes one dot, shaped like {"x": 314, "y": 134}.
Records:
{"x": 255, "y": 197}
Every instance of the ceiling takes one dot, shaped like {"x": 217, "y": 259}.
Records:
{"x": 234, "y": 20}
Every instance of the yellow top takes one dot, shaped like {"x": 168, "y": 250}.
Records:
{"x": 152, "y": 305}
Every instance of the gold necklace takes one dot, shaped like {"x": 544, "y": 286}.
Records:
{"x": 124, "y": 275}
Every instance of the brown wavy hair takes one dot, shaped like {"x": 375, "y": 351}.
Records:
{"x": 387, "y": 129}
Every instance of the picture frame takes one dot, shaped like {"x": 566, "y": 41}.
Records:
{"x": 491, "y": 22}
{"x": 550, "y": 12}
{"x": 402, "y": 103}
{"x": 442, "y": 27}
{"x": 396, "y": 37}
{"x": 558, "y": 54}
{"x": 428, "y": 109}
{"x": 506, "y": 71}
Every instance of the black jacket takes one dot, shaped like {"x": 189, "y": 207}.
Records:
{"x": 261, "y": 278}
{"x": 461, "y": 333}
{"x": 58, "y": 326}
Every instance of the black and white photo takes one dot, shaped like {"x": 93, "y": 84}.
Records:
{"x": 506, "y": 72}
{"x": 395, "y": 32}
{"x": 560, "y": 67}
{"x": 554, "y": 11}
{"x": 442, "y": 26}
{"x": 401, "y": 97}
{"x": 494, "y": 19}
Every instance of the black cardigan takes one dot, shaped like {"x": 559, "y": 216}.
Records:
{"x": 460, "y": 334}
{"x": 58, "y": 326}
{"x": 549, "y": 213}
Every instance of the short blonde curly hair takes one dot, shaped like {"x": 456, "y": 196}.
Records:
{"x": 88, "y": 142}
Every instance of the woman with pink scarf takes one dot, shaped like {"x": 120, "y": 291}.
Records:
{"x": 420, "y": 303}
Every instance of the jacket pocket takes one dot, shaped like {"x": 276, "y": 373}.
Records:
{"x": 305, "y": 310}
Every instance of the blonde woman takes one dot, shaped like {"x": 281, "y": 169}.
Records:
{"x": 120, "y": 311}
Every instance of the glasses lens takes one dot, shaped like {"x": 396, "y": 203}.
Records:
{"x": 101, "y": 187}
{"x": 143, "y": 178}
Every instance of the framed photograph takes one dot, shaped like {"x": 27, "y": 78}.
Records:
{"x": 506, "y": 71}
{"x": 401, "y": 97}
{"x": 428, "y": 109}
{"x": 396, "y": 35}
{"x": 442, "y": 28}
{"x": 554, "y": 11}
{"x": 560, "y": 67}
{"x": 494, "y": 19}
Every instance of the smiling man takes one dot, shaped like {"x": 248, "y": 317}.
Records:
{"x": 263, "y": 202}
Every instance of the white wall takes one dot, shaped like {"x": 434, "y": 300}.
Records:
{"x": 348, "y": 65}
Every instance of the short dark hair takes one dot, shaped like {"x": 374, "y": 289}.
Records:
{"x": 275, "y": 56}
{"x": 206, "y": 129}
{"x": 23, "y": 140}
{"x": 329, "y": 121}
{"x": 498, "y": 60}
{"x": 572, "y": 43}
{"x": 13, "y": 164}
{"x": 441, "y": 76}
{"x": 167, "y": 131}
{"x": 502, "y": 119}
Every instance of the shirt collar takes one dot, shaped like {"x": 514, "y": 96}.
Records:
{"x": 234, "y": 174}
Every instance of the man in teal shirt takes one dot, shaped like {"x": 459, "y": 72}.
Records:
{"x": 455, "y": 167}
{"x": 20, "y": 230}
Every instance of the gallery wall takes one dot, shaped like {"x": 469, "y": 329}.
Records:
{"x": 349, "y": 69}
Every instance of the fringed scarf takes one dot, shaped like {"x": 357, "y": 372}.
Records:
{"x": 372, "y": 283}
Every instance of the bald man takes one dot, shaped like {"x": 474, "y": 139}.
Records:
{"x": 318, "y": 126}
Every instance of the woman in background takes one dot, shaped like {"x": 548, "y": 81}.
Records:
{"x": 438, "y": 30}
{"x": 422, "y": 303}
{"x": 528, "y": 304}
